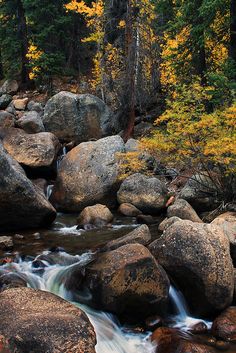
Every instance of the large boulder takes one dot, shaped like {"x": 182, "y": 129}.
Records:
{"x": 197, "y": 257}
{"x": 224, "y": 326}
{"x": 9, "y": 87}
{"x": 129, "y": 210}
{"x": 201, "y": 192}
{"x": 140, "y": 235}
{"x": 31, "y": 150}
{"x": 78, "y": 118}
{"x": 22, "y": 205}
{"x": 227, "y": 222}
{"x": 127, "y": 280}
{"x": 88, "y": 174}
{"x": 31, "y": 122}
{"x": 37, "y": 321}
{"x": 97, "y": 215}
{"x": 182, "y": 209}
{"x": 148, "y": 194}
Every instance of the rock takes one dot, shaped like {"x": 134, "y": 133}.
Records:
{"x": 224, "y": 326}
{"x": 21, "y": 205}
{"x": 171, "y": 340}
{"x": 9, "y": 87}
{"x": 167, "y": 223}
{"x": 142, "y": 129}
{"x": 19, "y": 236}
{"x": 182, "y": 209}
{"x": 12, "y": 280}
{"x": 132, "y": 145}
{"x": 7, "y": 120}
{"x": 128, "y": 280}
{"x": 129, "y": 210}
{"x": 97, "y": 215}
{"x": 21, "y": 103}
{"x": 227, "y": 222}
{"x": 140, "y": 235}
{"x": 41, "y": 184}
{"x": 6, "y": 242}
{"x": 45, "y": 323}
{"x": 200, "y": 192}
{"x": 148, "y": 194}
{"x": 198, "y": 328}
{"x": 88, "y": 174}
{"x": 5, "y": 100}
{"x": 197, "y": 257}
{"x": 32, "y": 150}
{"x": 146, "y": 219}
{"x": 31, "y": 123}
{"x": 35, "y": 106}
{"x": 78, "y": 117}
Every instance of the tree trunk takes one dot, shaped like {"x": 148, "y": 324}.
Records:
{"x": 1, "y": 67}
{"x": 23, "y": 38}
{"x": 233, "y": 30}
{"x": 131, "y": 43}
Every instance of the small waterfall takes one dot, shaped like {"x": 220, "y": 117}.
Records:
{"x": 110, "y": 336}
{"x": 182, "y": 319}
{"x": 49, "y": 191}
{"x": 179, "y": 302}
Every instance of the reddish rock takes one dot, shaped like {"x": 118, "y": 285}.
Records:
{"x": 224, "y": 326}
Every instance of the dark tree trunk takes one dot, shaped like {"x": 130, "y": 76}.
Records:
{"x": 1, "y": 67}
{"x": 23, "y": 38}
{"x": 130, "y": 72}
{"x": 233, "y": 30}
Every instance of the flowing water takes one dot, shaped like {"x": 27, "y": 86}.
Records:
{"x": 110, "y": 336}
{"x": 54, "y": 275}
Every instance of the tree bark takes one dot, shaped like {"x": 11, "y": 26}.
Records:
{"x": 23, "y": 38}
{"x": 131, "y": 43}
{"x": 233, "y": 30}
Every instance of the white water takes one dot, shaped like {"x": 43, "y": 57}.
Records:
{"x": 49, "y": 191}
{"x": 182, "y": 319}
{"x": 110, "y": 336}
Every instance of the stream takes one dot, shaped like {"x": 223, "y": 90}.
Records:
{"x": 77, "y": 250}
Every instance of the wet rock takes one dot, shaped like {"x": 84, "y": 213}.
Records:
{"x": 198, "y": 259}
{"x": 78, "y": 117}
{"x": 41, "y": 184}
{"x": 224, "y": 326}
{"x": 24, "y": 323}
{"x": 20, "y": 103}
{"x": 170, "y": 340}
{"x": 5, "y": 100}
{"x": 31, "y": 123}
{"x": 140, "y": 235}
{"x": 148, "y": 194}
{"x": 12, "y": 280}
{"x": 167, "y": 222}
{"x": 7, "y": 120}
{"x": 21, "y": 205}
{"x": 97, "y": 215}
{"x": 88, "y": 174}
{"x": 200, "y": 191}
{"x": 227, "y": 222}
{"x": 37, "y": 236}
{"x": 32, "y": 150}
{"x": 129, "y": 210}
{"x": 182, "y": 209}
{"x": 9, "y": 87}
{"x": 6, "y": 242}
{"x": 200, "y": 327}
{"x": 145, "y": 219}
{"x": 128, "y": 280}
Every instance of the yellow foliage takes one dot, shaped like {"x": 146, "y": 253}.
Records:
{"x": 34, "y": 54}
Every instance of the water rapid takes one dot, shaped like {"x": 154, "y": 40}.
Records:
{"x": 110, "y": 335}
